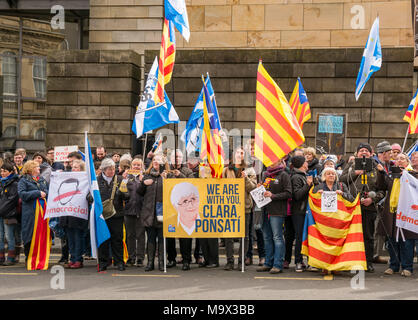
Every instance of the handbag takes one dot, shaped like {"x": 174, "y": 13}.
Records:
{"x": 108, "y": 207}
{"x": 159, "y": 211}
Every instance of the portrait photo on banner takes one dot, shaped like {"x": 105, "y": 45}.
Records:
{"x": 203, "y": 208}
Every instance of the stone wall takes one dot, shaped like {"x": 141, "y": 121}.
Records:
{"x": 137, "y": 24}
{"x": 94, "y": 91}
{"x": 328, "y": 76}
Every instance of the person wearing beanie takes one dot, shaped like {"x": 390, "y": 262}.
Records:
{"x": 368, "y": 199}
{"x": 396, "y": 149}
{"x": 301, "y": 184}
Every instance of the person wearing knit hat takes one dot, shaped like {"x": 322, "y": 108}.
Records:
{"x": 384, "y": 153}
{"x": 396, "y": 149}
{"x": 370, "y": 195}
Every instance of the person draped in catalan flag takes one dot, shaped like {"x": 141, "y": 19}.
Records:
{"x": 36, "y": 235}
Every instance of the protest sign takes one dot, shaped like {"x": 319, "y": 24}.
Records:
{"x": 258, "y": 196}
{"x": 204, "y": 208}
{"x": 407, "y": 212}
{"x": 67, "y": 195}
{"x": 331, "y": 133}
{"x": 61, "y": 153}
{"x": 329, "y": 201}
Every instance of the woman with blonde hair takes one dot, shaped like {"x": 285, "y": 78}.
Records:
{"x": 31, "y": 187}
{"x": 313, "y": 162}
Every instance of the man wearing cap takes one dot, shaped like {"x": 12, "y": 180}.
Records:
{"x": 384, "y": 154}
{"x": 369, "y": 198}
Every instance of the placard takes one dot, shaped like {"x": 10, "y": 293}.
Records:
{"x": 61, "y": 153}
{"x": 204, "y": 208}
{"x": 258, "y": 196}
{"x": 329, "y": 201}
{"x": 331, "y": 133}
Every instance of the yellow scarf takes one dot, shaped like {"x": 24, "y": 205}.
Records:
{"x": 394, "y": 194}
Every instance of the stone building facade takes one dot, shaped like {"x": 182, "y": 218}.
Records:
{"x": 37, "y": 40}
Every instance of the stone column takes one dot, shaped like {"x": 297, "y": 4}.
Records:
{"x": 95, "y": 91}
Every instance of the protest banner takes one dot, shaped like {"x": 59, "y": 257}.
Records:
{"x": 407, "y": 212}
{"x": 331, "y": 133}
{"x": 61, "y": 153}
{"x": 204, "y": 208}
{"x": 67, "y": 195}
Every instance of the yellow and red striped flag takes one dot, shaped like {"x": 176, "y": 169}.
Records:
{"x": 300, "y": 104}
{"x": 411, "y": 115}
{"x": 211, "y": 140}
{"x": 334, "y": 240}
{"x": 166, "y": 60}
{"x": 277, "y": 131}
{"x": 125, "y": 247}
{"x": 40, "y": 246}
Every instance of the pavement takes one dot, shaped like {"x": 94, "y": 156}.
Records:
{"x": 58, "y": 283}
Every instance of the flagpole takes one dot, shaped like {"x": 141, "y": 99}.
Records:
{"x": 370, "y": 116}
{"x": 145, "y": 146}
{"x": 406, "y": 137}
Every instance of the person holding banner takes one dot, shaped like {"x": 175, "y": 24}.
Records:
{"x": 31, "y": 187}
{"x": 152, "y": 209}
{"x": 178, "y": 170}
{"x": 106, "y": 182}
{"x": 279, "y": 189}
{"x": 401, "y": 251}
{"x": 237, "y": 168}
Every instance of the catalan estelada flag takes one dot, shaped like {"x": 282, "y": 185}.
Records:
{"x": 334, "y": 240}
{"x": 125, "y": 248}
{"x": 300, "y": 104}
{"x": 411, "y": 115}
{"x": 166, "y": 60}
{"x": 40, "y": 246}
{"x": 277, "y": 131}
{"x": 211, "y": 146}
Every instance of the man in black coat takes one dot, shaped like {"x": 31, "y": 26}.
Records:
{"x": 301, "y": 184}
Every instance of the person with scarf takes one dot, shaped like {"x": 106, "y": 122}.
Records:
{"x": 279, "y": 190}
{"x": 31, "y": 187}
{"x": 9, "y": 200}
{"x": 237, "y": 168}
{"x": 151, "y": 188}
{"x": 314, "y": 167}
{"x": 401, "y": 251}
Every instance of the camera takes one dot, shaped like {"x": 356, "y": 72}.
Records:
{"x": 365, "y": 164}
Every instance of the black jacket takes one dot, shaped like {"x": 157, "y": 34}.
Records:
{"x": 106, "y": 192}
{"x": 9, "y": 198}
{"x": 152, "y": 194}
{"x": 133, "y": 206}
{"x": 281, "y": 188}
{"x": 300, "y": 193}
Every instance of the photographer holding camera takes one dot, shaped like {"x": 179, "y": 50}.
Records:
{"x": 361, "y": 177}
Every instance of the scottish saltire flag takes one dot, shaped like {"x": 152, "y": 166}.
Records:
{"x": 411, "y": 115}
{"x": 300, "y": 104}
{"x": 99, "y": 232}
{"x": 157, "y": 144}
{"x": 334, "y": 240}
{"x": 212, "y": 147}
{"x": 192, "y": 135}
{"x": 175, "y": 10}
{"x": 372, "y": 58}
{"x": 83, "y": 156}
{"x": 150, "y": 116}
{"x": 412, "y": 149}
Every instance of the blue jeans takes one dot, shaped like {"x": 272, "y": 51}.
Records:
{"x": 273, "y": 241}
{"x": 7, "y": 232}
{"x": 75, "y": 244}
{"x": 401, "y": 254}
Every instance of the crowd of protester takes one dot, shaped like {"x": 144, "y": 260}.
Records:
{"x": 275, "y": 231}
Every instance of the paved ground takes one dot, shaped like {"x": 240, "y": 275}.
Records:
{"x": 200, "y": 283}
